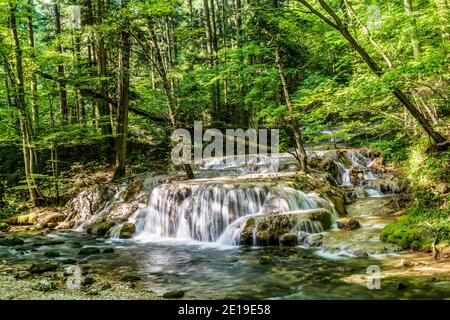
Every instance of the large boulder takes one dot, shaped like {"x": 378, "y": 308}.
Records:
{"x": 100, "y": 226}
{"x": 348, "y": 224}
{"x": 127, "y": 231}
{"x": 86, "y": 204}
{"x": 272, "y": 229}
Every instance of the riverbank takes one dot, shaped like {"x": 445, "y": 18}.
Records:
{"x": 17, "y": 283}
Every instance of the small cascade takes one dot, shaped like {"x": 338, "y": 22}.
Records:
{"x": 204, "y": 211}
{"x": 118, "y": 197}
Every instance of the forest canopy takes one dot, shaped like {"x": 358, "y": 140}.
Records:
{"x": 93, "y": 85}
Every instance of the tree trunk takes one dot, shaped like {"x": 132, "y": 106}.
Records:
{"x": 60, "y": 69}
{"x": 33, "y": 84}
{"x": 25, "y": 125}
{"x": 123, "y": 95}
{"x": 413, "y": 28}
{"x": 444, "y": 17}
{"x": 158, "y": 65}
{"x": 340, "y": 26}
{"x": 299, "y": 150}
{"x": 103, "y": 106}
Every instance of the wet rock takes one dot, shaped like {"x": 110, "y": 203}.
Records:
{"x": 348, "y": 224}
{"x": 132, "y": 190}
{"x": 174, "y": 294}
{"x": 76, "y": 245}
{"x": 101, "y": 226}
{"x": 108, "y": 250}
{"x": 41, "y": 267}
{"x": 52, "y": 254}
{"x": 406, "y": 263}
{"x": 86, "y": 251}
{"x": 400, "y": 286}
{"x": 11, "y": 240}
{"x": 127, "y": 231}
{"x": 87, "y": 281}
{"x": 46, "y": 217}
{"x": 69, "y": 261}
{"x": 85, "y": 204}
{"x": 345, "y": 269}
{"x": 121, "y": 211}
{"x": 266, "y": 260}
{"x": 289, "y": 240}
{"x": 357, "y": 176}
{"x": 314, "y": 240}
{"x": 268, "y": 229}
{"x": 44, "y": 285}
{"x": 361, "y": 253}
{"x": 54, "y": 242}
{"x": 131, "y": 278}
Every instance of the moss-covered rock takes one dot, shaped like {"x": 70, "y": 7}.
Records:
{"x": 127, "y": 231}
{"x": 348, "y": 224}
{"x": 268, "y": 229}
{"x": 42, "y": 267}
{"x": 86, "y": 251}
{"x": 52, "y": 254}
{"x": 132, "y": 190}
{"x": 289, "y": 239}
{"x": 11, "y": 240}
{"x": 173, "y": 294}
{"x": 266, "y": 260}
{"x": 101, "y": 226}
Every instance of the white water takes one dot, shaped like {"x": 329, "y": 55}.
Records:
{"x": 204, "y": 211}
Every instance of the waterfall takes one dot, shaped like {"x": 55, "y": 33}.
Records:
{"x": 204, "y": 211}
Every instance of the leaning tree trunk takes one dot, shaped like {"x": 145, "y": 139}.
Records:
{"x": 341, "y": 26}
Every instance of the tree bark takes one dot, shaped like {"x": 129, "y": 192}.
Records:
{"x": 299, "y": 150}
{"x": 33, "y": 84}
{"x": 413, "y": 28}
{"x": 123, "y": 99}
{"x": 19, "y": 97}
{"x": 103, "y": 106}
{"x": 64, "y": 110}
{"x": 340, "y": 26}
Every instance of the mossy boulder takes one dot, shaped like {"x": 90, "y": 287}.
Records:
{"x": 266, "y": 260}
{"x": 132, "y": 190}
{"x": 11, "y": 240}
{"x": 101, "y": 226}
{"x": 108, "y": 250}
{"x": 173, "y": 294}
{"x": 87, "y": 251}
{"x": 42, "y": 267}
{"x": 269, "y": 229}
{"x": 289, "y": 239}
{"x": 52, "y": 254}
{"x": 348, "y": 224}
{"x": 127, "y": 231}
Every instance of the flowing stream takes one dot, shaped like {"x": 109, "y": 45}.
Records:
{"x": 187, "y": 236}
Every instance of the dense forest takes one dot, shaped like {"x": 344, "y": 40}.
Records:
{"x": 91, "y": 90}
